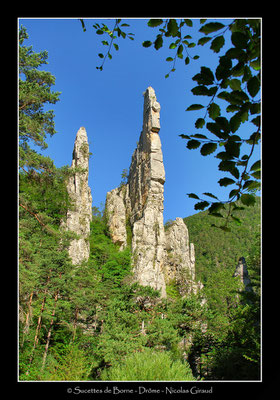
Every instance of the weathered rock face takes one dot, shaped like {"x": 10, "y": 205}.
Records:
{"x": 116, "y": 216}
{"x": 79, "y": 216}
{"x": 158, "y": 256}
{"x": 145, "y": 189}
{"x": 242, "y": 271}
{"x": 180, "y": 258}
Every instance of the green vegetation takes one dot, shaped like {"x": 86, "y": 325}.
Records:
{"x": 149, "y": 366}
{"x": 217, "y": 247}
{"x": 92, "y": 322}
{"x": 230, "y": 93}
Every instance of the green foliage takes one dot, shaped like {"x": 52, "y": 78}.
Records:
{"x": 223, "y": 247}
{"x": 91, "y": 322}
{"x": 69, "y": 364}
{"x": 236, "y": 81}
{"x": 34, "y": 92}
{"x": 149, "y": 365}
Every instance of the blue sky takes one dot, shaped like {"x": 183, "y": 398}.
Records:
{"x": 109, "y": 104}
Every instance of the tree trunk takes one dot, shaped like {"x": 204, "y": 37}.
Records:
{"x": 39, "y": 323}
{"x": 26, "y": 327}
{"x": 49, "y": 333}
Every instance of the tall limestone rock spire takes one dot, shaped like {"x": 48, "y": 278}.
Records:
{"x": 158, "y": 257}
{"x": 80, "y": 213}
{"x": 145, "y": 187}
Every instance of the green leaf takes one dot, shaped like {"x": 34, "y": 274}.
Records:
{"x": 202, "y": 41}
{"x": 216, "y": 207}
{"x": 193, "y": 196}
{"x": 154, "y": 22}
{"x": 180, "y": 50}
{"x": 233, "y": 148}
{"x": 217, "y": 44}
{"x": 223, "y": 70}
{"x": 199, "y": 123}
{"x": 214, "y": 111}
{"x": 256, "y": 166}
{"x": 232, "y": 108}
{"x": 226, "y": 165}
{"x": 223, "y": 155}
{"x": 226, "y": 181}
{"x": 193, "y": 144}
{"x": 116, "y": 46}
{"x": 251, "y": 185}
{"x": 101, "y": 55}
{"x": 248, "y": 199}
{"x": 239, "y": 40}
{"x": 255, "y": 108}
{"x": 201, "y": 205}
{"x": 199, "y": 136}
{"x": 235, "y": 122}
{"x": 188, "y": 22}
{"x": 172, "y": 27}
{"x": 195, "y": 107}
{"x": 210, "y": 195}
{"x": 211, "y": 27}
{"x": 158, "y": 42}
{"x": 187, "y": 60}
{"x": 256, "y": 64}
{"x": 200, "y": 91}
{"x": 205, "y": 77}
{"x": 169, "y": 59}
{"x": 147, "y": 43}
{"x": 235, "y": 84}
{"x": 253, "y": 86}
{"x": 173, "y": 46}
{"x": 208, "y": 148}
{"x": 256, "y": 174}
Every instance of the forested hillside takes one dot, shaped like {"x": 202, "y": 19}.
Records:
{"x": 214, "y": 246}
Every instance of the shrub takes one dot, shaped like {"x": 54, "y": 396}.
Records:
{"x": 149, "y": 365}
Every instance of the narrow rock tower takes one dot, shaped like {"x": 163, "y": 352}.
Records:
{"x": 80, "y": 213}
{"x": 145, "y": 188}
{"x": 159, "y": 257}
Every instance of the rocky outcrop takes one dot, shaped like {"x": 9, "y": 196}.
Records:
{"x": 180, "y": 260}
{"x": 242, "y": 271}
{"x": 116, "y": 216}
{"x": 158, "y": 257}
{"x": 145, "y": 189}
{"x": 80, "y": 213}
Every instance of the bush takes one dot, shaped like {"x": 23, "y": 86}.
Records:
{"x": 149, "y": 365}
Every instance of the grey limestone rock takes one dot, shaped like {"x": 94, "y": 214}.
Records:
{"x": 242, "y": 271}
{"x": 157, "y": 256}
{"x": 80, "y": 213}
